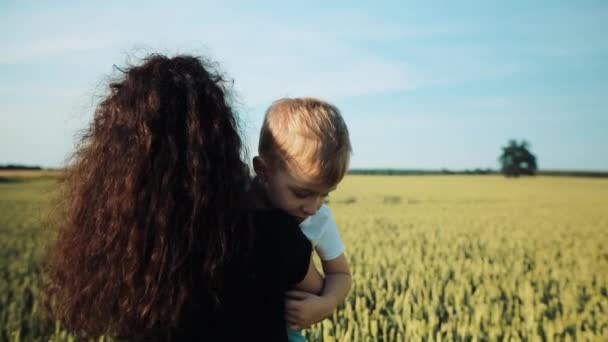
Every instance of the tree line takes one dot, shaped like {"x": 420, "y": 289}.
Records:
{"x": 516, "y": 159}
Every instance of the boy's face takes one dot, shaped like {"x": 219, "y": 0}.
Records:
{"x": 297, "y": 195}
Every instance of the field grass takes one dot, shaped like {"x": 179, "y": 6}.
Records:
{"x": 23, "y": 207}
{"x": 433, "y": 258}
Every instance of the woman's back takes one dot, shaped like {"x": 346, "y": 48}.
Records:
{"x": 252, "y": 300}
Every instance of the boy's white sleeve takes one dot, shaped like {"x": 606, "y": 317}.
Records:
{"x": 322, "y": 230}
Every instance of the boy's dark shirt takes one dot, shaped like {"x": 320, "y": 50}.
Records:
{"x": 253, "y": 293}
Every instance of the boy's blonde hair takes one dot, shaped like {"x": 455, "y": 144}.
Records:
{"x": 308, "y": 135}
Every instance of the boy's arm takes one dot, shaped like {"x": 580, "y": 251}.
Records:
{"x": 312, "y": 282}
{"x": 304, "y": 309}
{"x": 338, "y": 281}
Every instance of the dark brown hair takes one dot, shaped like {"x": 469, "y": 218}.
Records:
{"x": 150, "y": 202}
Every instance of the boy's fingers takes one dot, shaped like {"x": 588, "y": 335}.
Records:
{"x": 295, "y": 294}
{"x": 292, "y": 305}
{"x": 291, "y": 318}
{"x": 292, "y": 321}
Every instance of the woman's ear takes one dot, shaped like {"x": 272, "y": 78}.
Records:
{"x": 260, "y": 168}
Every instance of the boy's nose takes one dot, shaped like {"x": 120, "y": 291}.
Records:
{"x": 312, "y": 206}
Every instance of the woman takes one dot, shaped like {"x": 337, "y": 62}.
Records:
{"x": 157, "y": 238}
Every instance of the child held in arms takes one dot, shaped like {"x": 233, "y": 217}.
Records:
{"x": 304, "y": 151}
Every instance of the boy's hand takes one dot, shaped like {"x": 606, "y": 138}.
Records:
{"x": 303, "y": 309}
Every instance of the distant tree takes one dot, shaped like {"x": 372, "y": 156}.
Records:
{"x": 516, "y": 159}
{"x": 16, "y": 167}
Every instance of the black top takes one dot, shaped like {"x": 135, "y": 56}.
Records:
{"x": 253, "y": 297}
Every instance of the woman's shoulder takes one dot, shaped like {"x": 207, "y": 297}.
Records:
{"x": 276, "y": 225}
{"x": 280, "y": 241}
{"x": 278, "y": 236}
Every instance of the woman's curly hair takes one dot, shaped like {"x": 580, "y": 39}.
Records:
{"x": 150, "y": 202}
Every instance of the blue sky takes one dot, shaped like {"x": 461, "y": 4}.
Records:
{"x": 421, "y": 84}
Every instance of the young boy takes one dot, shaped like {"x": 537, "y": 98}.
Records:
{"x": 304, "y": 151}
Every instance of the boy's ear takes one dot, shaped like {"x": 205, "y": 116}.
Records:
{"x": 260, "y": 168}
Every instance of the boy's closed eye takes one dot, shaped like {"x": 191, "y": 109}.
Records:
{"x": 300, "y": 194}
{"x": 307, "y": 194}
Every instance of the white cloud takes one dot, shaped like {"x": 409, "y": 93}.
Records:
{"x": 268, "y": 56}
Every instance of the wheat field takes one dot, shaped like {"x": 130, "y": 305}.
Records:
{"x": 434, "y": 258}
